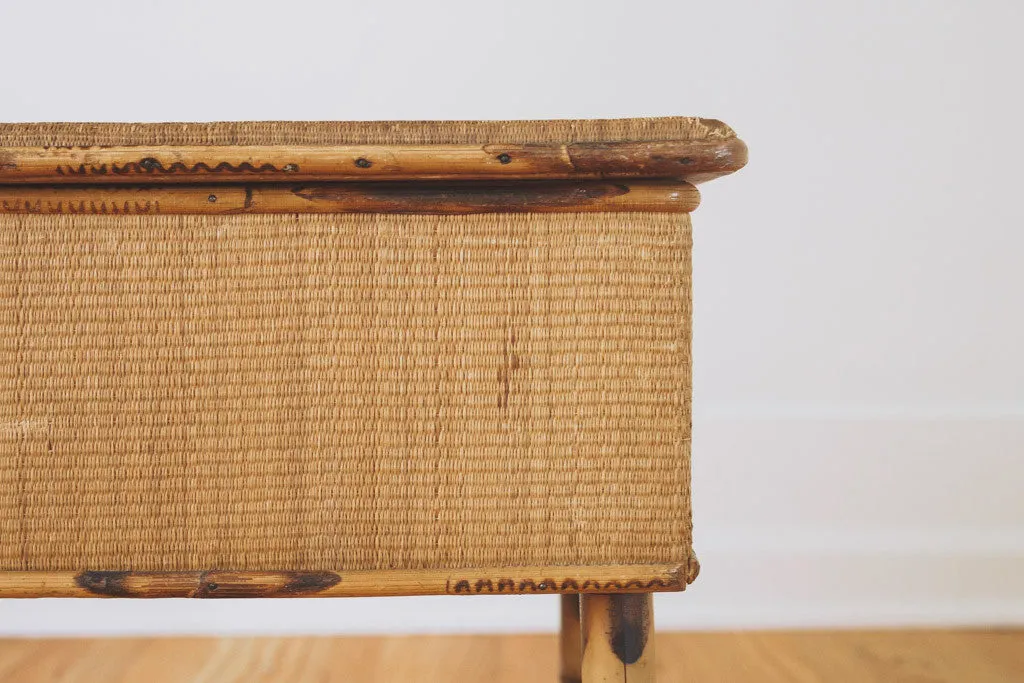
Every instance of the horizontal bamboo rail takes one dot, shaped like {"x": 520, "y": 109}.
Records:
{"x": 241, "y": 584}
{"x": 695, "y": 161}
{"x": 429, "y": 197}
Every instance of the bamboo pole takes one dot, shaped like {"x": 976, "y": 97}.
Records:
{"x": 618, "y": 642}
{"x": 404, "y": 197}
{"x": 695, "y": 160}
{"x": 267, "y": 584}
{"x": 570, "y": 640}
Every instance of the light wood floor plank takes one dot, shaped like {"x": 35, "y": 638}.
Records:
{"x": 776, "y": 657}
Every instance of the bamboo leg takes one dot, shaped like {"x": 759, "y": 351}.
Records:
{"x": 570, "y": 639}
{"x": 618, "y": 643}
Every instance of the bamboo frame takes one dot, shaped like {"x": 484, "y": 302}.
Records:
{"x": 694, "y": 161}
{"x": 429, "y": 197}
{"x": 358, "y": 583}
{"x": 449, "y": 179}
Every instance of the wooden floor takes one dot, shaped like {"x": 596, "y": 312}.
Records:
{"x": 892, "y": 657}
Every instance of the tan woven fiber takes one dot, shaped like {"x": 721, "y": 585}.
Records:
{"x": 368, "y": 132}
{"x": 344, "y": 392}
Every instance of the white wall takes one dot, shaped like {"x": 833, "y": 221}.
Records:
{"x": 859, "y": 387}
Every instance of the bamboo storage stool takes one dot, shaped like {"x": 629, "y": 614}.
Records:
{"x": 354, "y": 359}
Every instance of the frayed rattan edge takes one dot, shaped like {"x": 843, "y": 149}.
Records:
{"x": 360, "y": 583}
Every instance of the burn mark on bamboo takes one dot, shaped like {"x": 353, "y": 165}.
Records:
{"x": 101, "y": 207}
{"x": 108, "y": 584}
{"x": 547, "y": 585}
{"x": 224, "y": 584}
{"x": 302, "y": 583}
{"x": 630, "y": 625}
{"x": 437, "y": 198}
{"x": 152, "y": 165}
{"x": 670, "y": 159}
{"x": 465, "y": 197}
{"x": 211, "y": 584}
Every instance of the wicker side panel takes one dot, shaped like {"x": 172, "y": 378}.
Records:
{"x": 348, "y": 392}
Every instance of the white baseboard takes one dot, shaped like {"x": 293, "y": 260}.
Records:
{"x": 813, "y": 588}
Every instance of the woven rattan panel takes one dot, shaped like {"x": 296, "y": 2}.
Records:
{"x": 344, "y": 392}
{"x": 363, "y": 132}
